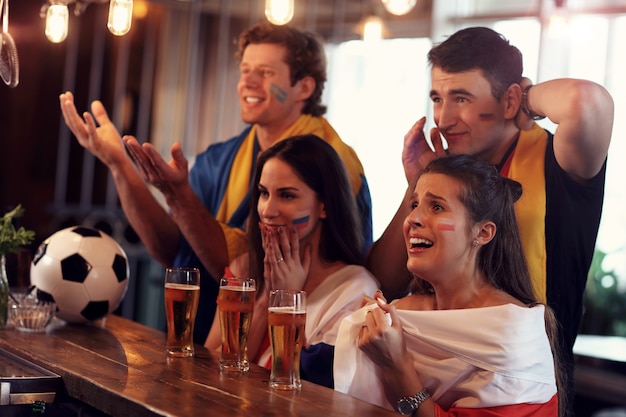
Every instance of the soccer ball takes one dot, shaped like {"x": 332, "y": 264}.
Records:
{"x": 83, "y": 270}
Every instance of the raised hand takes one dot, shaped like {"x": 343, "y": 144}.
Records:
{"x": 103, "y": 140}
{"x": 416, "y": 152}
{"x": 166, "y": 177}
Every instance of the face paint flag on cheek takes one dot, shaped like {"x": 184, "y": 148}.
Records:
{"x": 487, "y": 117}
{"x": 446, "y": 227}
{"x": 279, "y": 93}
{"x": 301, "y": 222}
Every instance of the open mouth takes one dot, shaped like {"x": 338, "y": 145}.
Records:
{"x": 419, "y": 243}
{"x": 252, "y": 100}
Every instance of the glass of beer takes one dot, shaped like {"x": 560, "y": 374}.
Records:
{"x": 182, "y": 293}
{"x": 235, "y": 303}
{"x": 286, "y": 321}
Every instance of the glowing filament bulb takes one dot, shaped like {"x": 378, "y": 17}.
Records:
{"x": 120, "y": 16}
{"x": 279, "y": 12}
{"x": 57, "y": 20}
{"x": 373, "y": 29}
{"x": 399, "y": 7}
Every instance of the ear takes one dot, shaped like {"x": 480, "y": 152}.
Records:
{"x": 322, "y": 211}
{"x": 307, "y": 86}
{"x": 485, "y": 232}
{"x": 512, "y": 100}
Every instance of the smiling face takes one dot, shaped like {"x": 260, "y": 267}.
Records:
{"x": 285, "y": 200}
{"x": 469, "y": 116}
{"x": 436, "y": 232}
{"x": 265, "y": 92}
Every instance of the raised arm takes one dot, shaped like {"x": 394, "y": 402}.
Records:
{"x": 584, "y": 112}
{"x": 149, "y": 219}
{"x": 202, "y": 231}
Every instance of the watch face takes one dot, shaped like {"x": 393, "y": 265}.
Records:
{"x": 405, "y": 407}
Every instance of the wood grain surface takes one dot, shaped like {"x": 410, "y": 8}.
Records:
{"x": 120, "y": 367}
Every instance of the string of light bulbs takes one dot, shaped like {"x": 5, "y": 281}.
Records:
{"x": 56, "y": 13}
{"x": 280, "y": 12}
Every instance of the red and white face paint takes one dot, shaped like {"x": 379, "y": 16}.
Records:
{"x": 436, "y": 232}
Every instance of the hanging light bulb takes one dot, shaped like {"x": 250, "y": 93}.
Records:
{"x": 373, "y": 28}
{"x": 57, "y": 21}
{"x": 399, "y": 7}
{"x": 140, "y": 9}
{"x": 279, "y": 12}
{"x": 120, "y": 16}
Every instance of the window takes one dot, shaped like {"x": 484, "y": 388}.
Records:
{"x": 376, "y": 92}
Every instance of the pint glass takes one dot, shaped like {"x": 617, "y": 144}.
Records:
{"x": 286, "y": 324}
{"x": 182, "y": 293}
{"x": 235, "y": 304}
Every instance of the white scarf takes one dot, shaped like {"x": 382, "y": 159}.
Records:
{"x": 470, "y": 358}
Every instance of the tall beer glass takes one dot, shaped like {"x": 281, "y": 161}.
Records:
{"x": 286, "y": 322}
{"x": 182, "y": 293}
{"x": 235, "y": 303}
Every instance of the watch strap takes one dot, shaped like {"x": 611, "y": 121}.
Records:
{"x": 525, "y": 108}
{"x": 414, "y": 401}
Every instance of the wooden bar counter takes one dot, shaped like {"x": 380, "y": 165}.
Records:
{"x": 120, "y": 368}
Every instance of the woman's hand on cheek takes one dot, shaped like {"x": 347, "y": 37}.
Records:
{"x": 282, "y": 260}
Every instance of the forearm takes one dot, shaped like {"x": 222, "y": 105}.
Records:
{"x": 202, "y": 231}
{"x": 405, "y": 382}
{"x": 387, "y": 256}
{"x": 568, "y": 100}
{"x": 583, "y": 111}
{"x": 149, "y": 219}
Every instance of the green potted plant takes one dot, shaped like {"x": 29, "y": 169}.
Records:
{"x": 10, "y": 241}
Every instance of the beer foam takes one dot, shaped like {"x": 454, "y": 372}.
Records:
{"x": 286, "y": 310}
{"x": 237, "y": 288}
{"x": 186, "y": 287}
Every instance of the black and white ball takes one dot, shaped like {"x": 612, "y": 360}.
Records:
{"x": 83, "y": 270}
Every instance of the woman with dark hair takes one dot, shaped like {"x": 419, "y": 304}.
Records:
{"x": 304, "y": 234}
{"x": 472, "y": 339}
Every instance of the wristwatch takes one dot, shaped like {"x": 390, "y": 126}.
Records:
{"x": 408, "y": 406}
{"x": 525, "y": 108}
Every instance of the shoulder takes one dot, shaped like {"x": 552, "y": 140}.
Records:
{"x": 358, "y": 273}
{"x": 350, "y": 280}
{"x": 231, "y": 144}
{"x": 218, "y": 156}
{"x": 497, "y": 297}
{"x": 415, "y": 302}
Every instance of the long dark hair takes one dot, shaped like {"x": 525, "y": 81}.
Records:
{"x": 318, "y": 165}
{"x": 305, "y": 57}
{"x": 488, "y": 196}
{"x": 484, "y": 49}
